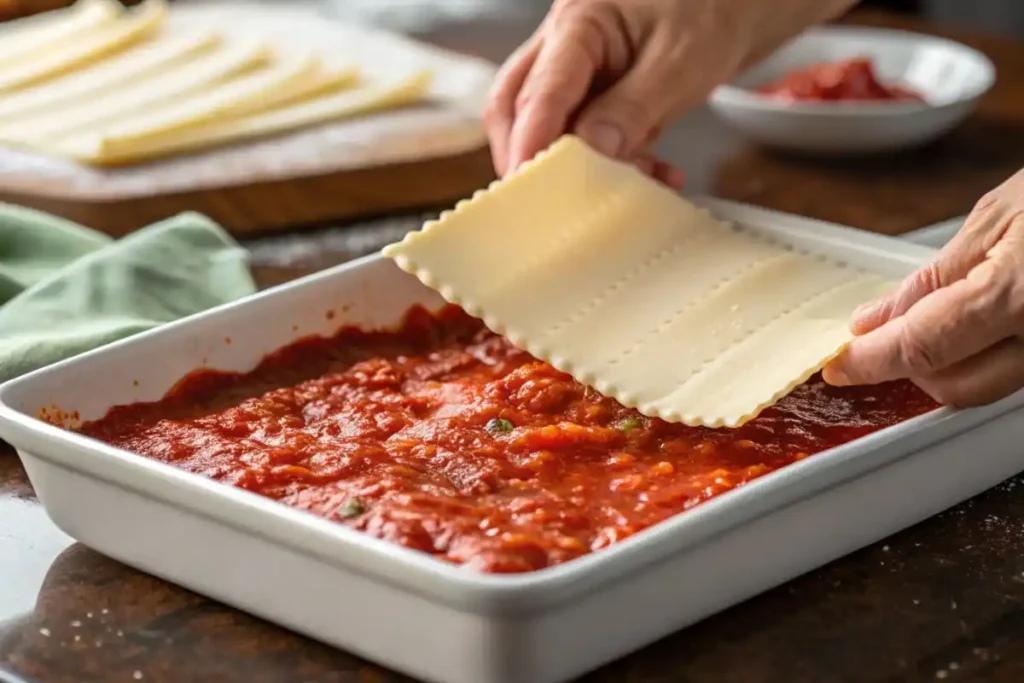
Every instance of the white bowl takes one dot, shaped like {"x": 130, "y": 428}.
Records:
{"x": 951, "y": 78}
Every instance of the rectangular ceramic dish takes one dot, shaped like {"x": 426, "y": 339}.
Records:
{"x": 936, "y": 235}
{"x": 438, "y": 622}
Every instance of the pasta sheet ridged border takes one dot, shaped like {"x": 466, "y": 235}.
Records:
{"x": 428, "y": 278}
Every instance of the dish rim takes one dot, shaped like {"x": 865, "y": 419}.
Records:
{"x": 347, "y": 549}
{"x": 731, "y": 95}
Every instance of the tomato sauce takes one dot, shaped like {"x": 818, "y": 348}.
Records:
{"x": 853, "y": 80}
{"x": 443, "y": 437}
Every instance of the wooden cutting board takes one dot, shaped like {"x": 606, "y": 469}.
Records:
{"x": 247, "y": 210}
{"x": 420, "y": 157}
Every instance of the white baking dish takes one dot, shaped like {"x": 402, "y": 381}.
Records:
{"x": 439, "y": 622}
{"x": 937, "y": 235}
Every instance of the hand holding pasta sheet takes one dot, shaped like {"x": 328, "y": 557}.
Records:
{"x": 617, "y": 72}
{"x": 954, "y": 327}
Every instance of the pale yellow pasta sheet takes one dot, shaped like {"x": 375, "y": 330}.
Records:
{"x": 142, "y": 63}
{"x": 138, "y": 99}
{"x": 252, "y": 91}
{"x": 608, "y": 275}
{"x": 24, "y": 39}
{"x": 330, "y": 99}
{"x": 65, "y": 56}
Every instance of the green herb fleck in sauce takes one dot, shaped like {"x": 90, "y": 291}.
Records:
{"x": 353, "y": 507}
{"x": 628, "y": 424}
{"x": 499, "y": 426}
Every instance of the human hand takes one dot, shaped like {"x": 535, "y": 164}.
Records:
{"x": 954, "y": 327}
{"x": 616, "y": 72}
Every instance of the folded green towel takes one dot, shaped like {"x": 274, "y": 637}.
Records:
{"x": 65, "y": 289}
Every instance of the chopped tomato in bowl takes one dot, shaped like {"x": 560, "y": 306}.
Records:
{"x": 850, "y": 80}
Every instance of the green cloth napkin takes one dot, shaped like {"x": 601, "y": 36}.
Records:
{"x": 65, "y": 289}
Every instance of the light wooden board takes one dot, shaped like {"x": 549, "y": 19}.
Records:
{"x": 445, "y": 130}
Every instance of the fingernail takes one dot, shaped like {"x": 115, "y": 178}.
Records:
{"x": 866, "y": 313}
{"x": 864, "y": 310}
{"x": 606, "y": 139}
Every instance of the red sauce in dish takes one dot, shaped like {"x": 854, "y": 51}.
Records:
{"x": 445, "y": 438}
{"x": 852, "y": 80}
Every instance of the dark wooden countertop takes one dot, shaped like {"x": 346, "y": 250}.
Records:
{"x": 941, "y": 601}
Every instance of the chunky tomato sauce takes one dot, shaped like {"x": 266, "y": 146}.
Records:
{"x": 850, "y": 81}
{"x": 445, "y": 438}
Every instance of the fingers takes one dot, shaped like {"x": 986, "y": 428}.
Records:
{"x": 914, "y": 288}
{"x": 945, "y": 327}
{"x": 544, "y": 90}
{"x": 983, "y": 229}
{"x": 556, "y": 85}
{"x": 500, "y": 111}
{"x": 656, "y": 88}
{"x": 501, "y": 114}
{"x": 620, "y": 120}
{"x": 989, "y": 376}
{"x": 955, "y": 327}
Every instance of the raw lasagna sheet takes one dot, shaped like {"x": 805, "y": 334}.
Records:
{"x": 615, "y": 279}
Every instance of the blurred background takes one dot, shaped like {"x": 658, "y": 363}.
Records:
{"x": 996, "y": 16}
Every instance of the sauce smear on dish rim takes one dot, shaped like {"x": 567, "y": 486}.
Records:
{"x": 443, "y": 437}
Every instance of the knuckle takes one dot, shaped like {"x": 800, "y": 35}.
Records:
{"x": 989, "y": 204}
{"x": 596, "y": 31}
{"x": 563, "y": 10}
{"x": 986, "y": 202}
{"x": 991, "y": 218}
{"x": 912, "y": 289}
{"x": 996, "y": 290}
{"x": 578, "y": 20}
{"x": 927, "y": 279}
